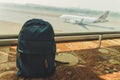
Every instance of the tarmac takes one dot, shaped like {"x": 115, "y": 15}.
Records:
{"x": 11, "y": 21}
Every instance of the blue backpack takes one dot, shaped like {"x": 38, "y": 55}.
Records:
{"x": 36, "y": 49}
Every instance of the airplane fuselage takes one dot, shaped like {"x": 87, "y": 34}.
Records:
{"x": 77, "y": 19}
{"x": 84, "y": 19}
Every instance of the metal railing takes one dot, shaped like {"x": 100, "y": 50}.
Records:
{"x": 63, "y": 37}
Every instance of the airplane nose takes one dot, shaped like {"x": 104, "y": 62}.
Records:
{"x": 61, "y": 16}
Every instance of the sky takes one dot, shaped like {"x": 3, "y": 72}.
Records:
{"x": 112, "y": 5}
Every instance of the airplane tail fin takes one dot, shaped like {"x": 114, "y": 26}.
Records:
{"x": 102, "y": 18}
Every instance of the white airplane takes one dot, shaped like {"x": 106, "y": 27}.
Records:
{"x": 84, "y": 19}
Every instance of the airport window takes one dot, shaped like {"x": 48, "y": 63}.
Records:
{"x": 69, "y": 21}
